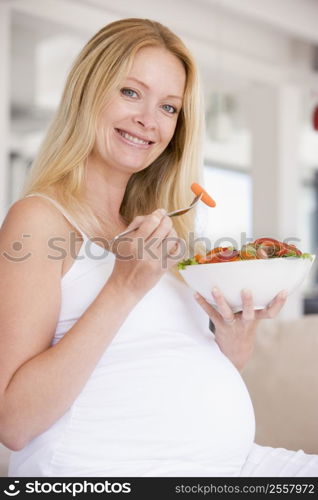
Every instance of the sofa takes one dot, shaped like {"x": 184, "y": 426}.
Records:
{"x": 282, "y": 379}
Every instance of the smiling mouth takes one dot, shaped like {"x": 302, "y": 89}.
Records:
{"x": 133, "y": 138}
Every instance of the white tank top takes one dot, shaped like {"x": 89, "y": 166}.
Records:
{"x": 162, "y": 401}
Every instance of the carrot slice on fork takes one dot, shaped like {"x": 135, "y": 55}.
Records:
{"x": 206, "y": 198}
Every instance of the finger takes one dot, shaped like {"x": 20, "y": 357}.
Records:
{"x": 124, "y": 240}
{"x": 208, "y": 308}
{"x": 173, "y": 244}
{"x": 223, "y": 307}
{"x": 248, "y": 313}
{"x": 175, "y": 254}
{"x": 174, "y": 251}
{"x": 162, "y": 231}
{"x": 150, "y": 223}
{"x": 136, "y": 221}
{"x": 274, "y": 307}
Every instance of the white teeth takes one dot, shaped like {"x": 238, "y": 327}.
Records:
{"x": 132, "y": 138}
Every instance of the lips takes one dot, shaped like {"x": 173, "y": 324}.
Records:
{"x": 134, "y": 138}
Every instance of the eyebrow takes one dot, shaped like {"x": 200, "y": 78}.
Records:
{"x": 146, "y": 86}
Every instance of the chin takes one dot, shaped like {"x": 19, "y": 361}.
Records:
{"x": 135, "y": 165}
{"x": 132, "y": 168}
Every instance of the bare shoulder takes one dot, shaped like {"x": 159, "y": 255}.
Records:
{"x": 34, "y": 222}
{"x": 33, "y": 211}
{"x": 28, "y": 243}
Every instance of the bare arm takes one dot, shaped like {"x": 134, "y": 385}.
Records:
{"x": 39, "y": 383}
{"x": 44, "y": 387}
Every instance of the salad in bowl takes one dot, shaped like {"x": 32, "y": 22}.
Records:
{"x": 265, "y": 267}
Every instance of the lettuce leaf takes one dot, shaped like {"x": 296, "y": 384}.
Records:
{"x": 306, "y": 256}
{"x": 294, "y": 254}
{"x": 187, "y": 262}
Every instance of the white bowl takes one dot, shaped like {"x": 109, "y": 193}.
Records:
{"x": 264, "y": 277}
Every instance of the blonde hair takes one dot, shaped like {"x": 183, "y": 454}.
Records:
{"x": 59, "y": 167}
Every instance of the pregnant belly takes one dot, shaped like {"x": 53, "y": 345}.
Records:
{"x": 186, "y": 404}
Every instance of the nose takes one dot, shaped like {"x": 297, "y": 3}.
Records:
{"x": 146, "y": 118}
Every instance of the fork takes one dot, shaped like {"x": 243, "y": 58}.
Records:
{"x": 174, "y": 213}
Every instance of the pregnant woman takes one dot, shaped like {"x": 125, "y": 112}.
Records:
{"x": 108, "y": 367}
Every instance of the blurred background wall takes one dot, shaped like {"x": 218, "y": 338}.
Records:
{"x": 259, "y": 68}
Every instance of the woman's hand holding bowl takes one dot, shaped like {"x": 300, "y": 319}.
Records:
{"x": 235, "y": 333}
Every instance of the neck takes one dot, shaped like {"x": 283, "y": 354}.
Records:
{"x": 105, "y": 192}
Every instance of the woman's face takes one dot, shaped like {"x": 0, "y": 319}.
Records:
{"x": 139, "y": 121}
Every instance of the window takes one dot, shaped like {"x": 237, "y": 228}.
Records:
{"x": 230, "y": 222}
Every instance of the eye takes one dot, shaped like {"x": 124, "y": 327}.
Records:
{"x": 170, "y": 109}
{"x": 128, "y": 92}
